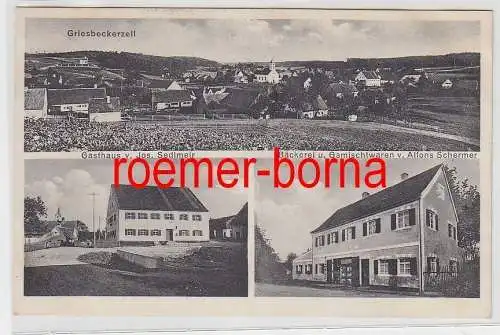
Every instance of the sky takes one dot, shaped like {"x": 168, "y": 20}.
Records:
{"x": 289, "y": 215}
{"x": 231, "y": 40}
{"x": 67, "y": 184}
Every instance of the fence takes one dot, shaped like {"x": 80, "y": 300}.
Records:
{"x": 453, "y": 282}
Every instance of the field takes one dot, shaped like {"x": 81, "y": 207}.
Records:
{"x": 288, "y": 134}
{"x": 210, "y": 271}
{"x": 453, "y": 115}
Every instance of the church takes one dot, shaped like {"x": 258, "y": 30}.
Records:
{"x": 269, "y": 75}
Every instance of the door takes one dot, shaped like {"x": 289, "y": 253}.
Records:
{"x": 329, "y": 268}
{"x": 170, "y": 234}
{"x": 365, "y": 272}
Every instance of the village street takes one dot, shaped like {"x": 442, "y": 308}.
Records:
{"x": 272, "y": 290}
{"x": 58, "y": 256}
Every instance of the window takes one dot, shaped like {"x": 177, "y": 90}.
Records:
{"x": 197, "y": 233}
{"x": 155, "y": 232}
{"x": 130, "y": 232}
{"x": 371, "y": 227}
{"x": 322, "y": 268}
{"x": 299, "y": 268}
{"x": 322, "y": 240}
{"x": 383, "y": 267}
{"x": 183, "y": 232}
{"x": 184, "y": 217}
{"x": 143, "y": 232}
{"x": 143, "y": 216}
{"x": 316, "y": 268}
{"x": 404, "y": 267}
{"x": 403, "y": 219}
{"x": 349, "y": 234}
{"x": 432, "y": 264}
{"x": 168, "y": 216}
{"x": 155, "y": 216}
{"x": 129, "y": 216}
{"x": 309, "y": 269}
{"x": 431, "y": 219}
{"x": 454, "y": 233}
{"x": 328, "y": 238}
{"x": 453, "y": 265}
{"x": 336, "y": 237}
{"x": 450, "y": 230}
{"x": 197, "y": 217}
{"x": 316, "y": 241}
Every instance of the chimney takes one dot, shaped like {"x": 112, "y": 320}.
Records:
{"x": 364, "y": 195}
{"x": 404, "y": 176}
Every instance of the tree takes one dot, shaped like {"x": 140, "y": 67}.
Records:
{"x": 34, "y": 210}
{"x": 467, "y": 202}
{"x": 289, "y": 260}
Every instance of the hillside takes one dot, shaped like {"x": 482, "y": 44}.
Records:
{"x": 135, "y": 61}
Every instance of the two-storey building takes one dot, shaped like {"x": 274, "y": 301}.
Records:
{"x": 153, "y": 215}
{"x": 389, "y": 238}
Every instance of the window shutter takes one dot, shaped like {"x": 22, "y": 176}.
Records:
{"x": 343, "y": 235}
{"x": 353, "y": 232}
{"x": 412, "y": 217}
{"x": 437, "y": 265}
{"x": 316, "y": 241}
{"x": 377, "y": 226}
{"x": 449, "y": 230}
{"x": 393, "y": 221}
{"x": 429, "y": 264}
{"x": 336, "y": 237}
{"x": 328, "y": 239}
{"x": 364, "y": 229}
{"x": 413, "y": 266}
{"x": 437, "y": 221}
{"x": 375, "y": 267}
{"x": 393, "y": 266}
{"x": 427, "y": 218}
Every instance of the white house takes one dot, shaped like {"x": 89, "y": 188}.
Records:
{"x": 62, "y": 102}
{"x": 35, "y": 103}
{"x": 153, "y": 215}
{"x": 369, "y": 78}
{"x": 269, "y": 75}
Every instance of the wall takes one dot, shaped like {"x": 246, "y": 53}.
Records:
{"x": 35, "y": 113}
{"x": 437, "y": 198}
{"x": 303, "y": 275}
{"x": 144, "y": 261}
{"x": 162, "y": 225}
{"x": 105, "y": 117}
{"x": 385, "y": 238}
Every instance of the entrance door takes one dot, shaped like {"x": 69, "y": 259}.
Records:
{"x": 329, "y": 268}
{"x": 170, "y": 234}
{"x": 365, "y": 272}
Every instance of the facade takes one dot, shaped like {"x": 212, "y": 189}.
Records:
{"x": 172, "y": 101}
{"x": 154, "y": 215}
{"x": 231, "y": 227}
{"x": 269, "y": 75}
{"x": 393, "y": 237}
{"x": 73, "y": 101}
{"x": 35, "y": 103}
{"x": 369, "y": 78}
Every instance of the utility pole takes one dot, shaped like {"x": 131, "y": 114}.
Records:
{"x": 93, "y": 195}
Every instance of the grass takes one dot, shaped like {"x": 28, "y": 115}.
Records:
{"x": 219, "y": 271}
{"x": 453, "y": 115}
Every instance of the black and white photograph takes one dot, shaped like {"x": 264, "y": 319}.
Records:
{"x": 417, "y": 237}
{"x": 251, "y": 84}
{"x": 86, "y": 236}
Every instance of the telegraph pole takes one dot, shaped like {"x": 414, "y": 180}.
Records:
{"x": 93, "y": 195}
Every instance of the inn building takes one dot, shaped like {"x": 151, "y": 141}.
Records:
{"x": 153, "y": 215}
{"x": 393, "y": 237}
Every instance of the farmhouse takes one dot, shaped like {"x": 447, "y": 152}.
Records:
{"x": 154, "y": 215}
{"x": 157, "y": 82}
{"x": 233, "y": 227}
{"x": 269, "y": 75}
{"x": 369, "y": 78}
{"x": 63, "y": 102}
{"x": 35, "y": 103}
{"x": 105, "y": 110}
{"x": 172, "y": 101}
{"x": 397, "y": 236}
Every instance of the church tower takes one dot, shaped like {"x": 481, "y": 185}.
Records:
{"x": 272, "y": 66}
{"x": 59, "y": 218}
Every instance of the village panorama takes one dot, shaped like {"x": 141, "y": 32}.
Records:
{"x": 116, "y": 101}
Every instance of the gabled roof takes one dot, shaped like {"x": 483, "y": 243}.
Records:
{"x": 306, "y": 256}
{"x": 219, "y": 223}
{"x": 402, "y": 193}
{"x": 34, "y": 98}
{"x": 156, "y": 199}
{"x": 241, "y": 218}
{"x": 319, "y": 103}
{"x": 170, "y": 96}
{"x": 66, "y": 227}
{"x": 262, "y": 72}
{"x": 371, "y": 74}
{"x": 74, "y": 95}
